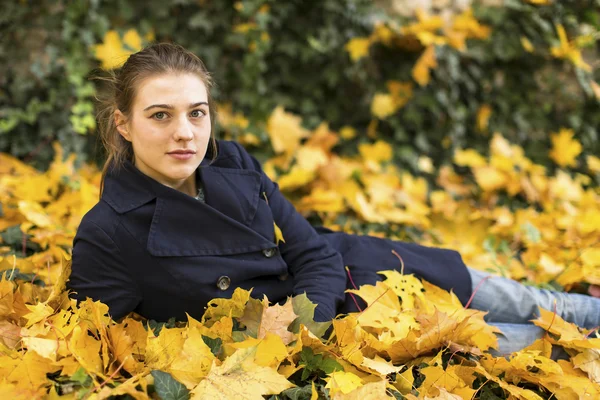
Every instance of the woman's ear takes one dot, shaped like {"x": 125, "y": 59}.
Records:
{"x": 121, "y": 124}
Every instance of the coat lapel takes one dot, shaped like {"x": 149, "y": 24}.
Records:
{"x": 184, "y": 226}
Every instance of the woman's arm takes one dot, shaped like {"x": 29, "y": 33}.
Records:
{"x": 99, "y": 271}
{"x": 318, "y": 270}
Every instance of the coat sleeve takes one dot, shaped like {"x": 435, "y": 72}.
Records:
{"x": 98, "y": 271}
{"x": 318, "y": 270}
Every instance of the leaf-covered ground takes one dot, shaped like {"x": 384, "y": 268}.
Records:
{"x": 502, "y": 212}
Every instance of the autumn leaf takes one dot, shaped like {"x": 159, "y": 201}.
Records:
{"x": 421, "y": 71}
{"x": 276, "y": 319}
{"x": 163, "y": 350}
{"x": 342, "y": 382}
{"x": 305, "y": 310}
{"x": 278, "y": 234}
{"x": 111, "y": 51}
{"x": 123, "y": 346}
{"x": 285, "y": 131}
{"x": 358, "y": 48}
{"x": 483, "y": 117}
{"x": 565, "y": 149}
{"x": 383, "y": 105}
{"x": 29, "y": 371}
{"x": 239, "y": 378}
{"x": 568, "y": 50}
{"x": 194, "y": 361}
{"x": 233, "y": 307}
{"x": 86, "y": 351}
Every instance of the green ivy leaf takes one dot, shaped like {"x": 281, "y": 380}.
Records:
{"x": 214, "y": 344}
{"x": 298, "y": 393}
{"x": 305, "y": 309}
{"x": 168, "y": 388}
{"x": 81, "y": 377}
{"x": 315, "y": 363}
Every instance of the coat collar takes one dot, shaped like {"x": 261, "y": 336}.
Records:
{"x": 183, "y": 226}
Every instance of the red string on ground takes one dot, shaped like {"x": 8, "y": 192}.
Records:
{"x": 475, "y": 291}
{"x": 354, "y": 286}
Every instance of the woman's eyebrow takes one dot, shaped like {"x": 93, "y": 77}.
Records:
{"x": 170, "y": 107}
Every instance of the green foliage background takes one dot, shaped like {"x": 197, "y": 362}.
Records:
{"x": 46, "y": 58}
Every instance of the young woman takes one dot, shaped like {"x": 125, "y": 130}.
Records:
{"x": 184, "y": 218}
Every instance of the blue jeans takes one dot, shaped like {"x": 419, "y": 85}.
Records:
{"x": 511, "y": 306}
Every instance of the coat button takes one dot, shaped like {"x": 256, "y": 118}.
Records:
{"x": 223, "y": 282}
{"x": 283, "y": 277}
{"x": 269, "y": 252}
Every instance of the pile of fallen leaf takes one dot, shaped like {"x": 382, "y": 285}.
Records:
{"x": 413, "y": 340}
{"x": 515, "y": 218}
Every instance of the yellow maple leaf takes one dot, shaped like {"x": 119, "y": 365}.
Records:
{"x": 466, "y": 23}
{"x": 311, "y": 157}
{"x": 589, "y": 361}
{"x": 276, "y": 319}
{"x": 369, "y": 391}
{"x": 124, "y": 347}
{"x": 423, "y": 66}
{"x": 438, "y": 379}
{"x": 37, "y": 313}
{"x": 322, "y": 200}
{"x": 133, "y": 40}
{"x": 380, "y": 151}
{"x": 565, "y": 149}
{"x": 111, "y": 52}
{"x": 568, "y": 50}
{"x": 380, "y": 366}
{"x": 469, "y": 158}
{"x": 285, "y": 131}
{"x": 295, "y": 178}
{"x": 358, "y": 48}
{"x": 278, "y": 234}
{"x": 194, "y": 361}
{"x": 44, "y": 347}
{"x": 553, "y": 323}
{"x": 593, "y": 163}
{"x": 383, "y": 105}
{"x": 425, "y": 29}
{"x": 164, "y": 349}
{"x": 239, "y": 378}
{"x": 86, "y": 351}
{"x": 233, "y": 307}
{"x": 489, "y": 178}
{"x": 407, "y": 287}
{"x": 35, "y": 213}
{"x": 30, "y": 371}
{"x": 483, "y": 117}
{"x": 342, "y": 382}
{"x": 270, "y": 350}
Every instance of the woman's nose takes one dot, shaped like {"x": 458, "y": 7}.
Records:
{"x": 183, "y": 130}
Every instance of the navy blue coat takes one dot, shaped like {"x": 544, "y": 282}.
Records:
{"x": 148, "y": 248}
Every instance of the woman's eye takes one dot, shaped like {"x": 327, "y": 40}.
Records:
{"x": 160, "y": 115}
{"x": 198, "y": 113}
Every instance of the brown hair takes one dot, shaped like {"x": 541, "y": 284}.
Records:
{"x": 156, "y": 59}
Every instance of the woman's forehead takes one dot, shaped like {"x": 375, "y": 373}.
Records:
{"x": 173, "y": 89}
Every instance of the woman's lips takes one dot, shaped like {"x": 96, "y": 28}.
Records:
{"x": 182, "y": 156}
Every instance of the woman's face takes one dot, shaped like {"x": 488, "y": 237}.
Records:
{"x": 169, "y": 127}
